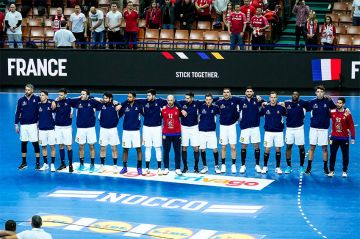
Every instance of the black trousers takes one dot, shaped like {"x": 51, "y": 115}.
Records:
{"x": 299, "y": 31}
{"x": 258, "y": 41}
{"x": 334, "y": 146}
{"x": 312, "y": 42}
{"x": 176, "y": 142}
{"x": 79, "y": 36}
{"x": 114, "y": 37}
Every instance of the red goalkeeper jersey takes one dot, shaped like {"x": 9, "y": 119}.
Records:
{"x": 342, "y": 123}
{"x": 171, "y": 121}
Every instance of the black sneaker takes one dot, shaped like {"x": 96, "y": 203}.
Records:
{"x": 37, "y": 167}
{"x": 22, "y": 166}
{"x": 308, "y": 170}
{"x": 71, "y": 168}
{"x": 326, "y": 170}
{"x": 185, "y": 170}
{"x": 61, "y": 167}
{"x": 196, "y": 170}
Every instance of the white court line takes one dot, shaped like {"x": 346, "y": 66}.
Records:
{"x": 139, "y": 230}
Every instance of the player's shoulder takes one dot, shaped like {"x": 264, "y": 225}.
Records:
{"x": 333, "y": 111}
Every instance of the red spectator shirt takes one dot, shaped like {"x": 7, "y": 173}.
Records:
{"x": 342, "y": 123}
{"x": 131, "y": 18}
{"x": 237, "y": 21}
{"x": 204, "y": 11}
{"x": 249, "y": 12}
{"x": 257, "y": 3}
{"x": 259, "y": 22}
{"x": 153, "y": 15}
{"x": 227, "y": 15}
{"x": 2, "y": 17}
{"x": 57, "y": 22}
{"x": 171, "y": 120}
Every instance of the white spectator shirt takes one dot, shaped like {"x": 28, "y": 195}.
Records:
{"x": 13, "y": 18}
{"x": 114, "y": 19}
{"x": 77, "y": 21}
{"x": 356, "y": 5}
{"x": 35, "y": 233}
{"x": 94, "y": 19}
{"x": 64, "y": 37}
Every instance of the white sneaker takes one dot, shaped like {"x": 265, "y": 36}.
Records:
{"x": 344, "y": 174}
{"x": 233, "y": 168}
{"x": 52, "y": 167}
{"x": 44, "y": 167}
{"x": 101, "y": 168}
{"x": 217, "y": 169}
{"x": 278, "y": 171}
{"x": 204, "y": 170}
{"x": 223, "y": 168}
{"x": 178, "y": 172}
{"x": 115, "y": 170}
{"x": 257, "y": 169}
{"x": 159, "y": 172}
{"x": 166, "y": 171}
{"x": 264, "y": 170}
{"x": 243, "y": 169}
{"x": 331, "y": 174}
{"x": 147, "y": 171}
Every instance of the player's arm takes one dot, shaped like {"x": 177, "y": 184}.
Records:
{"x": 262, "y": 111}
{"x": 17, "y": 116}
{"x": 13, "y": 236}
{"x": 6, "y": 233}
{"x": 121, "y": 111}
{"x": 351, "y": 127}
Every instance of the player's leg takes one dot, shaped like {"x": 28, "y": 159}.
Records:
{"x": 313, "y": 140}
{"x": 136, "y": 142}
{"x": 185, "y": 138}
{"x": 176, "y": 141}
{"x": 223, "y": 140}
{"x": 157, "y": 143}
{"x": 126, "y": 144}
{"x": 37, "y": 154}
{"x": 195, "y": 143}
{"x": 345, "y": 153}
{"x": 244, "y": 140}
{"x": 70, "y": 157}
{"x": 147, "y": 142}
{"x": 102, "y": 158}
{"x": 289, "y": 140}
{"x": 268, "y": 143}
{"x": 279, "y": 143}
{"x": 334, "y": 146}
{"x": 44, "y": 154}
{"x": 53, "y": 154}
{"x": 203, "y": 142}
{"x": 257, "y": 157}
{"x": 166, "y": 147}
{"x": 91, "y": 140}
{"x": 139, "y": 160}
{"x": 125, "y": 159}
{"x": 302, "y": 157}
{"x": 196, "y": 158}
{"x": 232, "y": 142}
{"x": 43, "y": 141}
{"x": 23, "y": 164}
{"x": 92, "y": 157}
{"x": 115, "y": 155}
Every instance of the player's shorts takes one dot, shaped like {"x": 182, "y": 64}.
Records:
{"x": 228, "y": 134}
{"x": 109, "y": 136}
{"x": 47, "y": 137}
{"x": 208, "y": 140}
{"x": 63, "y": 135}
{"x": 250, "y": 135}
{"x": 190, "y": 133}
{"x": 152, "y": 136}
{"x": 29, "y": 132}
{"x": 295, "y": 135}
{"x": 273, "y": 139}
{"x": 131, "y": 139}
{"x": 85, "y": 135}
{"x": 318, "y": 136}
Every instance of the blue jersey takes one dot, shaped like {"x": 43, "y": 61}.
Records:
{"x": 85, "y": 115}
{"x": 63, "y": 111}
{"x": 152, "y": 111}
{"x": 229, "y": 110}
{"x": 320, "y": 112}
{"x": 295, "y": 113}
{"x": 131, "y": 113}
{"x": 273, "y": 117}
{"x": 46, "y": 117}
{"x": 26, "y": 110}
{"x": 249, "y": 113}
{"x": 108, "y": 116}
{"x": 192, "y": 110}
{"x": 207, "y": 117}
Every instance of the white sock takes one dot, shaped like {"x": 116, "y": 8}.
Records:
{"x": 147, "y": 154}
{"x": 158, "y": 154}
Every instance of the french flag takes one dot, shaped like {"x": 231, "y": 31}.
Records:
{"x": 326, "y": 69}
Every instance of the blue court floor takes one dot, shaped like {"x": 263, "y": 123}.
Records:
{"x": 193, "y": 206}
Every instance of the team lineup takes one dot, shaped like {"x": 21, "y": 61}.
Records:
{"x": 182, "y": 124}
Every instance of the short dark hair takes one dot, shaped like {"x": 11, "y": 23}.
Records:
{"x": 108, "y": 95}
{"x": 63, "y": 90}
{"x": 10, "y": 225}
{"x": 63, "y": 23}
{"x": 45, "y": 92}
{"x": 342, "y": 99}
{"x": 114, "y": 3}
{"x": 190, "y": 93}
{"x": 36, "y": 221}
{"x": 249, "y": 87}
{"x": 151, "y": 91}
{"x": 320, "y": 87}
{"x": 226, "y": 88}
{"x": 87, "y": 91}
{"x": 273, "y": 92}
{"x": 132, "y": 93}
{"x": 209, "y": 95}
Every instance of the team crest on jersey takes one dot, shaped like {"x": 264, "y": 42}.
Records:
{"x": 232, "y": 103}
{"x": 40, "y": 109}
{"x": 147, "y": 105}
{"x": 104, "y": 107}
{"x": 325, "y": 105}
{"x": 212, "y": 111}
{"x": 127, "y": 109}
{"x": 254, "y": 103}
{"x": 48, "y": 108}
{"x": 298, "y": 104}
{"x": 185, "y": 107}
{"x": 204, "y": 111}
{"x": 136, "y": 108}
{"x": 58, "y": 105}
{"x": 222, "y": 106}
{"x": 289, "y": 107}
{"x": 89, "y": 105}
{"x": 80, "y": 106}
{"x": 315, "y": 106}
{"x": 34, "y": 100}
{"x": 245, "y": 106}
{"x": 24, "y": 103}
{"x": 268, "y": 112}
{"x": 277, "y": 112}
{"x": 65, "y": 104}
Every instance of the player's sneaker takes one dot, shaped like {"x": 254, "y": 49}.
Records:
{"x": 92, "y": 168}
{"x": 159, "y": 172}
{"x": 52, "y": 167}
{"x": 264, "y": 170}
{"x": 139, "y": 171}
{"x": 101, "y": 168}
{"x": 166, "y": 171}
{"x": 326, "y": 170}
{"x": 288, "y": 170}
{"x": 123, "y": 170}
{"x": 81, "y": 167}
{"x": 344, "y": 175}
{"x": 302, "y": 169}
{"x": 258, "y": 169}
{"x": 308, "y": 170}
{"x": 242, "y": 169}
{"x": 196, "y": 170}
{"x": 185, "y": 170}
{"x": 44, "y": 167}
{"x": 331, "y": 174}
{"x": 223, "y": 168}
{"x": 115, "y": 170}
{"x": 61, "y": 167}
{"x": 217, "y": 169}
{"x": 22, "y": 166}
{"x": 204, "y": 170}
{"x": 278, "y": 171}
{"x": 178, "y": 172}
{"x": 71, "y": 169}
{"x": 147, "y": 171}
{"x": 233, "y": 168}
{"x": 37, "y": 166}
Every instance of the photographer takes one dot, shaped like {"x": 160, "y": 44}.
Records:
{"x": 301, "y": 11}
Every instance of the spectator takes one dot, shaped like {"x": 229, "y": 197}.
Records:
{"x": 167, "y": 15}
{"x": 26, "y": 5}
{"x": 97, "y": 28}
{"x": 328, "y": 33}
{"x": 220, "y": 8}
{"x": 236, "y": 28}
{"x": 64, "y": 38}
{"x": 259, "y": 3}
{"x": 249, "y": 11}
{"x": 153, "y": 17}
{"x": 2, "y": 17}
{"x": 203, "y": 10}
{"x": 258, "y": 24}
{"x": 226, "y": 15}
{"x": 312, "y": 29}
{"x": 131, "y": 18}
{"x": 301, "y": 11}
{"x": 13, "y": 21}
{"x": 57, "y": 19}
{"x": 113, "y": 22}
{"x": 187, "y": 15}
{"x": 10, "y": 228}
{"x": 36, "y": 232}
{"x": 41, "y": 6}
{"x": 355, "y": 12}
{"x": 78, "y": 26}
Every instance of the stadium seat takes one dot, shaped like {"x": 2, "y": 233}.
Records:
{"x": 104, "y": 2}
{"x": 142, "y": 23}
{"x": 356, "y": 42}
{"x": 345, "y": 19}
{"x": 166, "y": 39}
{"x": 339, "y": 30}
{"x": 37, "y": 36}
{"x": 353, "y": 30}
{"x": 47, "y": 23}
{"x": 68, "y": 12}
{"x": 181, "y": 39}
{"x": 211, "y": 40}
{"x": 196, "y": 40}
{"x": 25, "y": 33}
{"x": 224, "y": 40}
{"x": 344, "y": 40}
{"x": 49, "y": 36}
{"x": 105, "y": 10}
{"x": 24, "y": 22}
{"x": 340, "y": 7}
{"x": 141, "y": 35}
{"x": 203, "y": 25}
{"x": 52, "y": 11}
{"x": 36, "y": 22}
{"x": 151, "y": 39}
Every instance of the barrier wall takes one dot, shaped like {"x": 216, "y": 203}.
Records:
{"x": 171, "y": 69}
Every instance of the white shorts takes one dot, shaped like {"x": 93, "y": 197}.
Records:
{"x": 29, "y": 132}
{"x": 47, "y": 137}
{"x": 109, "y": 136}
{"x": 63, "y": 135}
{"x": 152, "y": 136}
{"x": 228, "y": 134}
{"x": 85, "y": 135}
{"x": 273, "y": 139}
{"x": 295, "y": 135}
{"x": 190, "y": 133}
{"x": 250, "y": 135}
{"x": 318, "y": 136}
{"x": 208, "y": 140}
{"x": 131, "y": 138}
